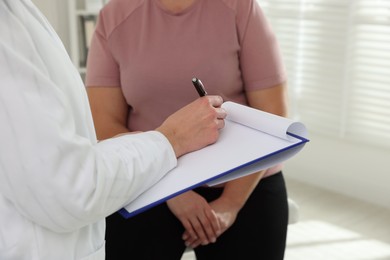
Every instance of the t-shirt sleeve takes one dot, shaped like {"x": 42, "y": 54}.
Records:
{"x": 102, "y": 68}
{"x": 260, "y": 57}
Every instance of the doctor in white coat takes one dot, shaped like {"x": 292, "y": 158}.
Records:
{"x": 57, "y": 182}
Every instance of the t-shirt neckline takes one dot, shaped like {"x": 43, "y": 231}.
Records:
{"x": 184, "y": 11}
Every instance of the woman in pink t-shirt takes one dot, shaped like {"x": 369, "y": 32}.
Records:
{"x": 143, "y": 56}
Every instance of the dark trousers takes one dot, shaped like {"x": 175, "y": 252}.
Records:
{"x": 259, "y": 231}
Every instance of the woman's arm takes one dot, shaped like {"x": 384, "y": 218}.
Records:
{"x": 109, "y": 110}
{"x": 272, "y": 100}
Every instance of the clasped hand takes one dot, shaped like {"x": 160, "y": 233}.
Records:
{"x": 203, "y": 222}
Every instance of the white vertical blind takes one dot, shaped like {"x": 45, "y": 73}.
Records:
{"x": 337, "y": 55}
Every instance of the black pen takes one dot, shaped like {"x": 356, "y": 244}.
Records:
{"x": 199, "y": 87}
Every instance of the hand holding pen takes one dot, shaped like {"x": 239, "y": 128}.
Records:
{"x": 195, "y": 125}
{"x": 202, "y": 92}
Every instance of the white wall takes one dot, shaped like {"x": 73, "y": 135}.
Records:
{"x": 56, "y": 11}
{"x": 359, "y": 171}
{"x": 356, "y": 170}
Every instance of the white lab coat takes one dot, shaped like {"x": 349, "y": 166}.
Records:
{"x": 57, "y": 183}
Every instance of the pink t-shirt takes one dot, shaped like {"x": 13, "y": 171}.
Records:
{"x": 152, "y": 54}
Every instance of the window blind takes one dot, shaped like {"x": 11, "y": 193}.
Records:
{"x": 337, "y": 56}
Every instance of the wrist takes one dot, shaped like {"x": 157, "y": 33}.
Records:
{"x": 172, "y": 140}
{"x": 234, "y": 203}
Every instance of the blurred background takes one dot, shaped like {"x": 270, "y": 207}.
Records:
{"x": 337, "y": 56}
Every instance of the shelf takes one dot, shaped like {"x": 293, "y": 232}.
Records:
{"x": 86, "y": 12}
{"x": 81, "y": 27}
{"x": 82, "y": 70}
